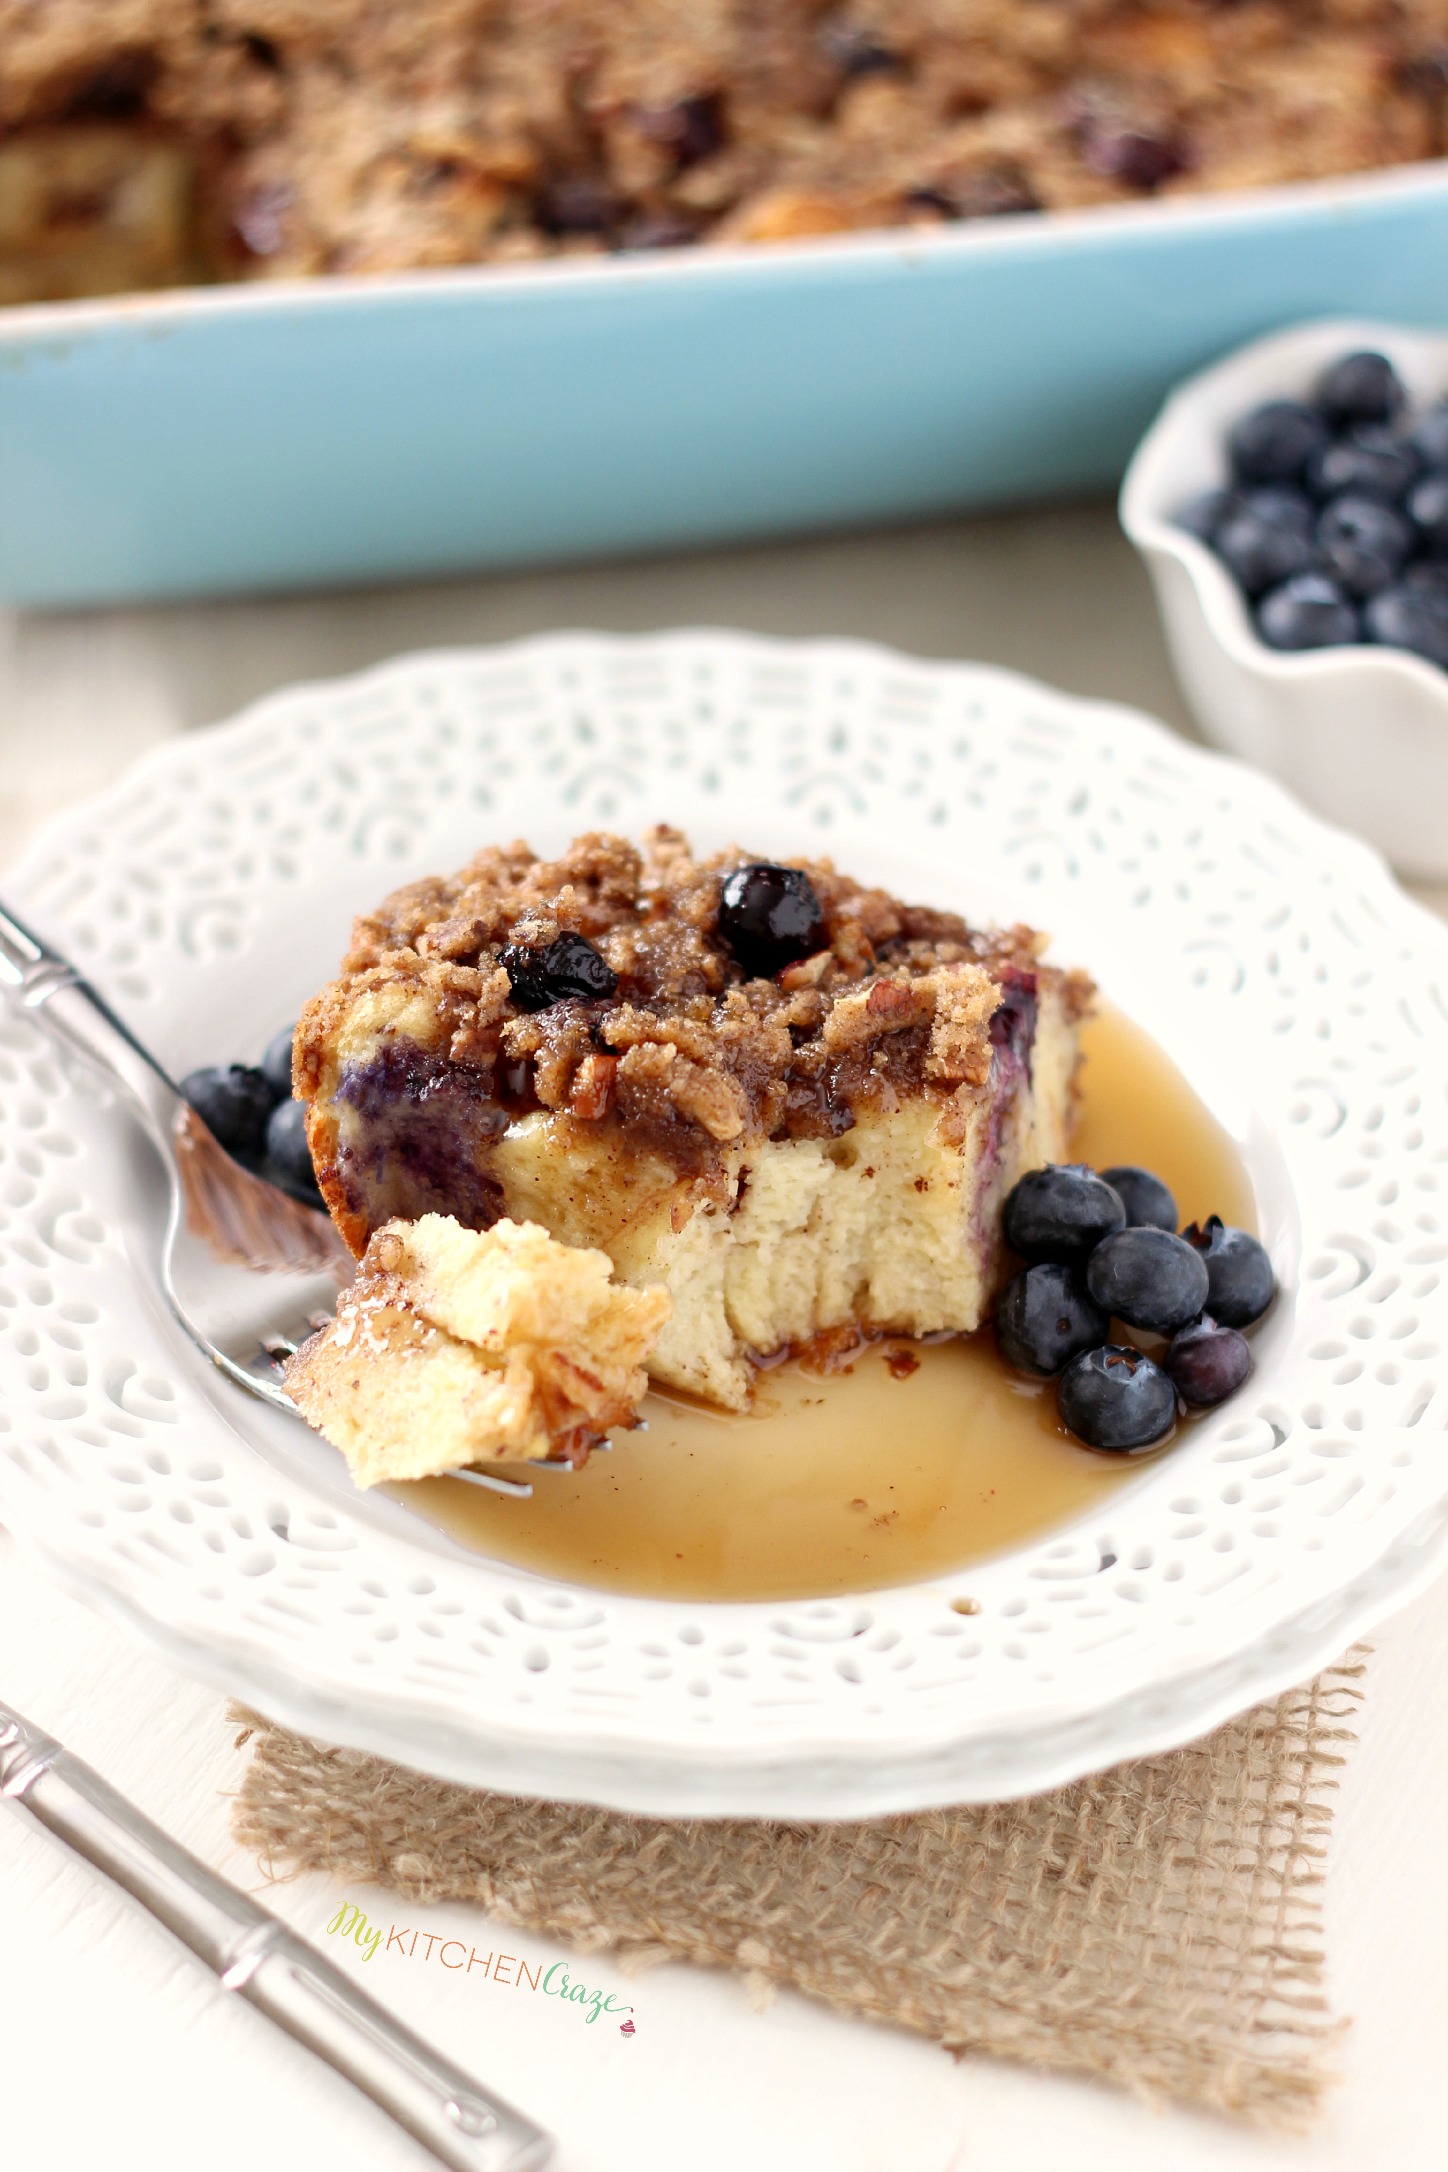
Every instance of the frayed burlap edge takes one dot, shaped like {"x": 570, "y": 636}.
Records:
{"x": 1158, "y": 1925}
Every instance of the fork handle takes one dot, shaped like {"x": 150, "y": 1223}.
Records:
{"x": 44, "y": 982}
{"x": 256, "y": 1955}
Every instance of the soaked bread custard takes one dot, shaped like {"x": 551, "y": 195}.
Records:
{"x": 915, "y": 1460}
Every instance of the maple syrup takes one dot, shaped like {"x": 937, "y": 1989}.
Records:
{"x": 915, "y": 1460}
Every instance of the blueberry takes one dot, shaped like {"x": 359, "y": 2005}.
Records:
{"x": 1366, "y": 458}
{"x": 690, "y": 128}
{"x": 1284, "y": 505}
{"x": 1428, "y": 511}
{"x": 929, "y": 198}
{"x": 854, "y": 49}
{"x": 1140, "y": 158}
{"x": 1360, "y": 388}
{"x": 1150, "y": 1278}
{"x": 769, "y": 917}
{"x": 234, "y": 1102}
{"x": 552, "y": 972}
{"x": 1204, "y": 514}
{"x": 1207, "y": 1362}
{"x": 1428, "y": 579}
{"x": 1411, "y": 618}
{"x": 1240, "y": 1282}
{"x": 1116, "y": 1398}
{"x": 1266, "y": 540}
{"x": 1148, "y": 1203}
{"x": 1274, "y": 443}
{"x": 276, "y": 1064}
{"x": 1308, "y": 612}
{"x": 1363, "y": 542}
{"x": 1045, "y": 1318}
{"x": 288, "y": 1161}
{"x": 1430, "y": 437}
{"x": 1061, "y": 1213}
{"x": 1012, "y": 1024}
{"x": 578, "y": 203}
{"x": 658, "y": 230}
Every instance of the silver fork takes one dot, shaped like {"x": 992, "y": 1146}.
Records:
{"x": 242, "y": 1222}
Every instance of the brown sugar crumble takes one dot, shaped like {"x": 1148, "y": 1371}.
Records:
{"x": 689, "y": 1056}
{"x": 154, "y": 142}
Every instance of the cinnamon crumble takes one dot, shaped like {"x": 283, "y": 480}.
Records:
{"x": 150, "y": 142}
{"x": 688, "y": 1055}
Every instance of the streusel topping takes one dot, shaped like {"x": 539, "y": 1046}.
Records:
{"x": 346, "y": 136}
{"x": 686, "y": 1053}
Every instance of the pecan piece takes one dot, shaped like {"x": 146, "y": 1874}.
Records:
{"x": 593, "y": 1087}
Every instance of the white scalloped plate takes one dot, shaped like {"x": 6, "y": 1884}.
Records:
{"x": 1275, "y": 959}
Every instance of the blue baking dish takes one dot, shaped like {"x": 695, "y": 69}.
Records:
{"x": 265, "y": 437}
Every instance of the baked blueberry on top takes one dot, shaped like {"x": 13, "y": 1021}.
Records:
{"x": 791, "y": 1099}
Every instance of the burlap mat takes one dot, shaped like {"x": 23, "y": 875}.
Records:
{"x": 1158, "y": 1926}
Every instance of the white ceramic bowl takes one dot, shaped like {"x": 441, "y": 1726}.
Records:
{"x": 1361, "y": 734}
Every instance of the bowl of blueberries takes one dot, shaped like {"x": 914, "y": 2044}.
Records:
{"x": 1291, "y": 504}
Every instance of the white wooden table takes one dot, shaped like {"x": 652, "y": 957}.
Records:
{"x": 117, "y": 2051}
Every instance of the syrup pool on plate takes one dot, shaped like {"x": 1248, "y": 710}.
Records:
{"x": 916, "y": 1461}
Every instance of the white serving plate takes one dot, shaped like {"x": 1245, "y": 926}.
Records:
{"x": 1273, "y": 958}
{"x": 1361, "y": 733}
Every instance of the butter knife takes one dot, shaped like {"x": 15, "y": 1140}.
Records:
{"x": 255, "y": 1954}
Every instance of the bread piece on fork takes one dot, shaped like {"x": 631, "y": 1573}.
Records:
{"x": 457, "y": 1346}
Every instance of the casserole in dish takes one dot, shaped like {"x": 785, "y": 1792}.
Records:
{"x": 309, "y": 432}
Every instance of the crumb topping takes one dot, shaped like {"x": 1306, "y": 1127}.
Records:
{"x": 687, "y": 1053}
{"x": 341, "y": 136}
